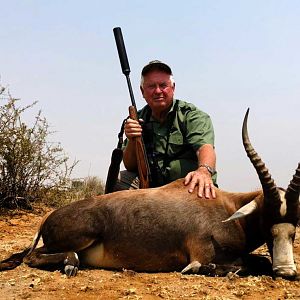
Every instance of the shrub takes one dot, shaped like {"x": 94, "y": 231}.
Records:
{"x": 31, "y": 167}
{"x": 86, "y": 187}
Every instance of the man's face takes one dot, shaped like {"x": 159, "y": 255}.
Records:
{"x": 158, "y": 91}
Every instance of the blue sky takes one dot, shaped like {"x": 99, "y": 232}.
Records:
{"x": 226, "y": 56}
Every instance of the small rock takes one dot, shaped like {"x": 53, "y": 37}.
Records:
{"x": 131, "y": 291}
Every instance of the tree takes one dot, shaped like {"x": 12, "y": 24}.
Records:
{"x": 30, "y": 165}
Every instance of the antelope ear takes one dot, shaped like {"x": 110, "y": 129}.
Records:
{"x": 243, "y": 211}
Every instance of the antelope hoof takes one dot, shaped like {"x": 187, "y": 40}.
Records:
{"x": 286, "y": 274}
{"x": 71, "y": 264}
{"x": 193, "y": 268}
{"x": 71, "y": 271}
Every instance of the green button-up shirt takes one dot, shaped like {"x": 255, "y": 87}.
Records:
{"x": 176, "y": 141}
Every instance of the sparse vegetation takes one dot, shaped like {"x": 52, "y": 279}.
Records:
{"x": 75, "y": 189}
{"x": 31, "y": 168}
{"x": 87, "y": 187}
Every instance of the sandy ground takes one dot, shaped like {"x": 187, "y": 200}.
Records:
{"x": 16, "y": 232}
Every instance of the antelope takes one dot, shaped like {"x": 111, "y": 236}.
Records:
{"x": 169, "y": 229}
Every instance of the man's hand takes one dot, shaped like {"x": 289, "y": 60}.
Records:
{"x": 201, "y": 178}
{"x": 132, "y": 128}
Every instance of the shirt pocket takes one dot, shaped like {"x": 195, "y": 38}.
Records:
{"x": 175, "y": 142}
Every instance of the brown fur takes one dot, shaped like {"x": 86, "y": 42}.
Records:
{"x": 160, "y": 229}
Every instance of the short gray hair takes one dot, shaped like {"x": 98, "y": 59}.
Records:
{"x": 171, "y": 79}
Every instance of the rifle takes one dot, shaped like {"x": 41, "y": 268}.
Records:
{"x": 142, "y": 161}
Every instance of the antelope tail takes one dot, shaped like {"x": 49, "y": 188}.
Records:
{"x": 17, "y": 258}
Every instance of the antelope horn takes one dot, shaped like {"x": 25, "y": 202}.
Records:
{"x": 292, "y": 195}
{"x": 268, "y": 184}
{"x": 294, "y": 186}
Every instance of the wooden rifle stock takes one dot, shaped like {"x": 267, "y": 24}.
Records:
{"x": 141, "y": 157}
{"x": 142, "y": 161}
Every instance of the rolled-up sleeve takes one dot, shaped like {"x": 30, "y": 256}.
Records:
{"x": 199, "y": 129}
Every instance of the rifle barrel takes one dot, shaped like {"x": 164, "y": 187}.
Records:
{"x": 121, "y": 50}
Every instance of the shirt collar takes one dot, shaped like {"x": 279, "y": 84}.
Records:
{"x": 168, "y": 114}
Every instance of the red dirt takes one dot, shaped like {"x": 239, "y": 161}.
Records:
{"x": 17, "y": 230}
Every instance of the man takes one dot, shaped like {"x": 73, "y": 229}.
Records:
{"x": 179, "y": 138}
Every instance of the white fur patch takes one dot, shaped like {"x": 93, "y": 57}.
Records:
{"x": 76, "y": 255}
{"x": 283, "y": 257}
{"x": 96, "y": 256}
{"x": 283, "y": 207}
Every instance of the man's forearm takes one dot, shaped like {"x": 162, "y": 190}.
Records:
{"x": 206, "y": 156}
{"x": 202, "y": 177}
